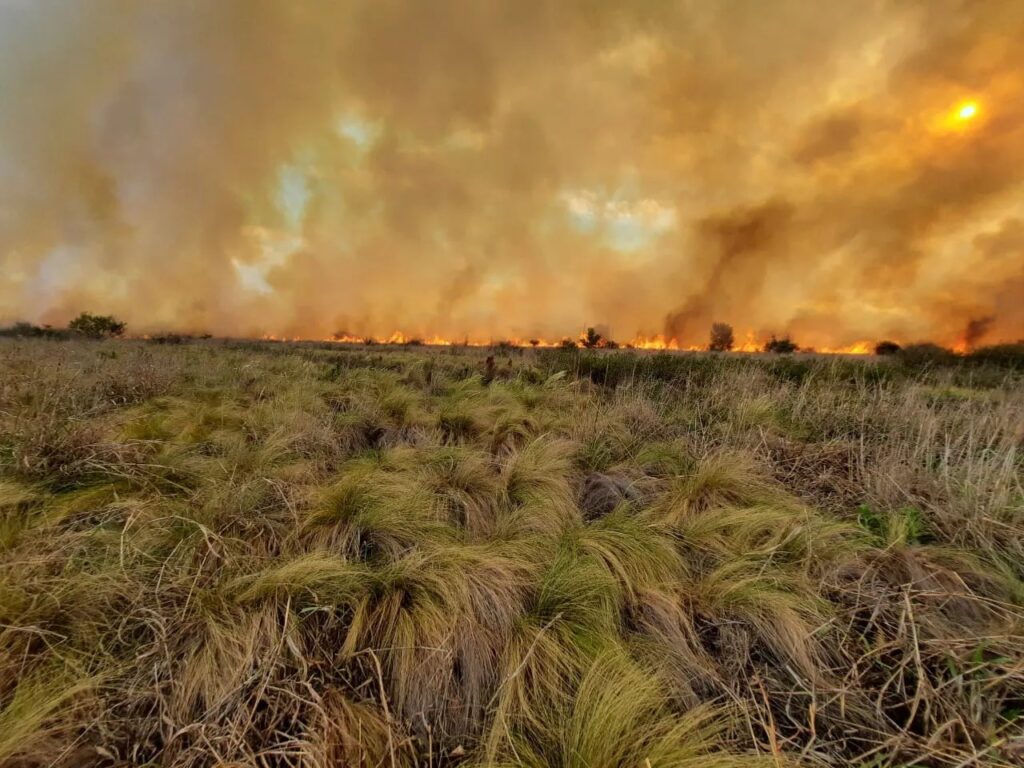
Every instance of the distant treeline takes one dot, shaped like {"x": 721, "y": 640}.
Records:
{"x": 86, "y": 325}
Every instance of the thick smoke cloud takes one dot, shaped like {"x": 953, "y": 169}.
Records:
{"x": 516, "y": 169}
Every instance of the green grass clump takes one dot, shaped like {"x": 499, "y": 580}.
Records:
{"x": 304, "y": 554}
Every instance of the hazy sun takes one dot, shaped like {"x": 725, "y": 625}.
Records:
{"x": 967, "y": 111}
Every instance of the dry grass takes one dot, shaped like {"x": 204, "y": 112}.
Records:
{"x": 271, "y": 555}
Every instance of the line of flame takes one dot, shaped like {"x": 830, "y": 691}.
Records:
{"x": 655, "y": 343}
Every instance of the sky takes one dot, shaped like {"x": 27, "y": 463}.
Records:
{"x": 837, "y": 171}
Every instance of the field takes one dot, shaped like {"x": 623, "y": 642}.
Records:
{"x": 260, "y": 554}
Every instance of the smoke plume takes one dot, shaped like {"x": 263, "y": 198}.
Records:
{"x": 838, "y": 172}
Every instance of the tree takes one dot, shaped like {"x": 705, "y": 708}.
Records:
{"x": 887, "y": 348}
{"x": 534, "y": 343}
{"x": 592, "y": 339}
{"x": 721, "y": 337}
{"x": 97, "y": 326}
{"x": 781, "y": 346}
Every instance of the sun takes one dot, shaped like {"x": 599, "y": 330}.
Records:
{"x": 961, "y": 117}
{"x": 967, "y": 111}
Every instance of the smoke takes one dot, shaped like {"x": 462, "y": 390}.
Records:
{"x": 515, "y": 169}
{"x": 976, "y": 330}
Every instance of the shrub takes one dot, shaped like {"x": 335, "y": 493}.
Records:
{"x": 887, "y": 348}
{"x": 592, "y": 339}
{"x": 924, "y": 354}
{"x": 97, "y": 326}
{"x": 568, "y": 344}
{"x": 781, "y": 346}
{"x": 28, "y": 330}
{"x": 168, "y": 338}
{"x": 1009, "y": 356}
{"x": 722, "y": 339}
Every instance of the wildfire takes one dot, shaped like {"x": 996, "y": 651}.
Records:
{"x": 654, "y": 342}
{"x": 657, "y": 342}
{"x": 750, "y": 343}
{"x": 858, "y": 348}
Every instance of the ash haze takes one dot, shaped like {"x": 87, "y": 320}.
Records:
{"x": 839, "y": 171}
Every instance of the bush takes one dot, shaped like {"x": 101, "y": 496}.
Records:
{"x": 28, "y": 330}
{"x": 592, "y": 339}
{"x": 1009, "y": 356}
{"x": 568, "y": 344}
{"x": 168, "y": 338}
{"x": 781, "y": 346}
{"x": 722, "y": 338}
{"x": 97, "y": 326}
{"x": 887, "y": 348}
{"x": 926, "y": 354}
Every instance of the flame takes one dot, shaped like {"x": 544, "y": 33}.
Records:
{"x": 654, "y": 342}
{"x": 657, "y": 342}
{"x": 750, "y": 344}
{"x": 857, "y": 348}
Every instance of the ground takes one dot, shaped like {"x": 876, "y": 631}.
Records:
{"x": 217, "y": 553}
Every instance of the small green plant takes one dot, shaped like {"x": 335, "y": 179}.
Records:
{"x": 901, "y": 526}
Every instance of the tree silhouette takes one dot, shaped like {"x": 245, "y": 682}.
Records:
{"x": 97, "y": 326}
{"x": 781, "y": 346}
{"x": 592, "y": 339}
{"x": 721, "y": 337}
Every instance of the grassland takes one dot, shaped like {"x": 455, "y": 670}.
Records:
{"x": 276, "y": 554}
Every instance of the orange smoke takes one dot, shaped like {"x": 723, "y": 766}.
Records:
{"x": 477, "y": 172}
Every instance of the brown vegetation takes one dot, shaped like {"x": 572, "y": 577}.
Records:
{"x": 270, "y": 554}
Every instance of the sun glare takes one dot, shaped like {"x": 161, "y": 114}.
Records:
{"x": 967, "y": 111}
